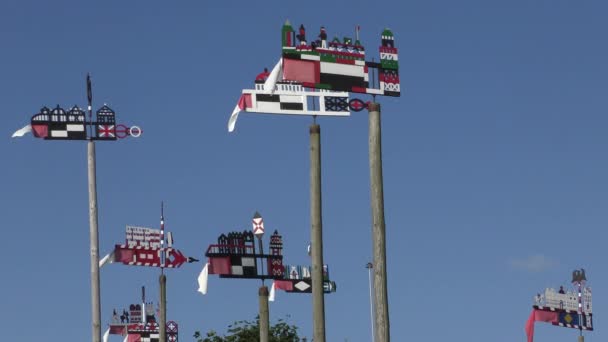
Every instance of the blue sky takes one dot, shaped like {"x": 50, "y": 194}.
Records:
{"x": 494, "y": 162}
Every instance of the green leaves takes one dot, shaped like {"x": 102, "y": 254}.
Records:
{"x": 249, "y": 331}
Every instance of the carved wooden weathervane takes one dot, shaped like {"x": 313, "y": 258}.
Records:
{"x": 138, "y": 322}
{"x": 146, "y": 247}
{"x": 564, "y": 307}
{"x": 235, "y": 255}
{"x": 73, "y": 124}
{"x": 298, "y": 280}
{"x": 316, "y": 77}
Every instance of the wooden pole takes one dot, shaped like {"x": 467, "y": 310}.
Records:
{"x": 316, "y": 235}
{"x": 94, "y": 243}
{"x": 264, "y": 314}
{"x": 382, "y": 327}
{"x": 162, "y": 324}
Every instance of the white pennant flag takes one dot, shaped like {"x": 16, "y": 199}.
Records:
{"x": 202, "y": 279}
{"x": 274, "y": 77}
{"x": 109, "y": 258}
{"x": 106, "y": 335}
{"x": 23, "y": 131}
{"x": 271, "y": 295}
{"x": 126, "y": 338}
{"x": 233, "y": 117}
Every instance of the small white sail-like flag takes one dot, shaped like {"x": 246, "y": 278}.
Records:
{"x": 22, "y": 131}
{"x": 233, "y": 117}
{"x": 241, "y": 105}
{"x": 202, "y": 279}
{"x": 271, "y": 295}
{"x": 126, "y": 338}
{"x": 275, "y": 75}
{"x": 106, "y": 335}
{"x": 109, "y": 258}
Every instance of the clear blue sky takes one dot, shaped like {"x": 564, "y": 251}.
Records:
{"x": 494, "y": 162}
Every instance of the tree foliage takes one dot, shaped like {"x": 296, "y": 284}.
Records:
{"x": 249, "y": 331}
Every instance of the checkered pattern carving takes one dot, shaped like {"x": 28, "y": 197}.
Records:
{"x": 243, "y": 266}
{"x": 336, "y": 104}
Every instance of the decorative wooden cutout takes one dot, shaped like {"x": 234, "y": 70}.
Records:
{"x": 57, "y": 124}
{"x": 143, "y": 248}
{"x": 298, "y": 280}
{"x": 315, "y": 77}
{"x": 139, "y": 323}
{"x": 235, "y": 256}
{"x": 340, "y": 65}
{"x": 572, "y": 308}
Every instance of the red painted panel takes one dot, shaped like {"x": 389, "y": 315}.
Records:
{"x": 358, "y": 90}
{"x": 124, "y": 255}
{"x": 219, "y": 265}
{"x": 40, "y": 131}
{"x": 301, "y": 70}
{"x": 286, "y": 285}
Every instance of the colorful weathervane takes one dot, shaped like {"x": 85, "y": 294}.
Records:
{"x": 146, "y": 247}
{"x": 315, "y": 77}
{"x": 59, "y": 124}
{"x": 564, "y": 308}
{"x": 138, "y": 323}
{"x": 298, "y": 280}
{"x": 235, "y": 256}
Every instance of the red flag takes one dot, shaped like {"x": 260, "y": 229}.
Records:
{"x": 540, "y": 316}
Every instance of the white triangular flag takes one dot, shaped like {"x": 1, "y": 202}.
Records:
{"x": 233, "y": 117}
{"x": 271, "y": 295}
{"x": 202, "y": 279}
{"x": 106, "y": 335}
{"x": 109, "y": 258}
{"x": 274, "y": 77}
{"x": 126, "y": 338}
{"x": 23, "y": 131}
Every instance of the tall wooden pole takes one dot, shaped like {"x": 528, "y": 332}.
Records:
{"x": 162, "y": 325}
{"x": 316, "y": 235}
{"x": 382, "y": 328}
{"x": 264, "y": 314}
{"x": 94, "y": 241}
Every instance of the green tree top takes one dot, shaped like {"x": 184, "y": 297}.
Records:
{"x": 249, "y": 331}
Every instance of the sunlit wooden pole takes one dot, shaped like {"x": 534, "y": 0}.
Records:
{"x": 316, "y": 243}
{"x": 162, "y": 324}
{"x": 264, "y": 314}
{"x": 382, "y": 327}
{"x": 94, "y": 243}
